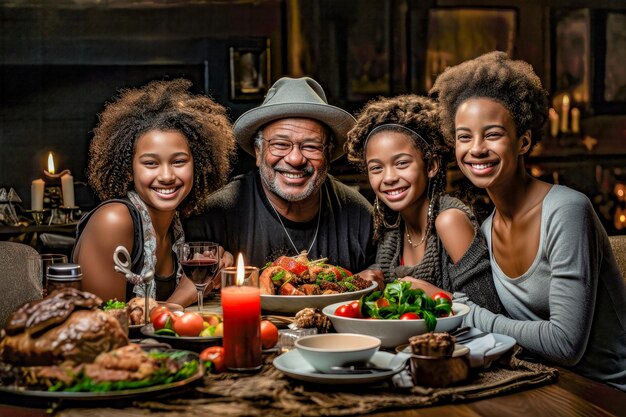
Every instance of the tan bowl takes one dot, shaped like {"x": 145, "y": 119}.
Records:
{"x": 437, "y": 372}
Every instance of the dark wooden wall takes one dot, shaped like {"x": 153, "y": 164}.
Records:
{"x": 61, "y": 61}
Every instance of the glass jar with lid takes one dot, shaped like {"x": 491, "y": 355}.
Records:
{"x": 60, "y": 276}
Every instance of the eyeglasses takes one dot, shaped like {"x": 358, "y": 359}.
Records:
{"x": 310, "y": 150}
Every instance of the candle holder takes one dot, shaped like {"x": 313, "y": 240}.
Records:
{"x": 241, "y": 311}
{"x": 37, "y": 215}
{"x": 68, "y": 213}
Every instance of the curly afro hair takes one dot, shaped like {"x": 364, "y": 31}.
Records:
{"x": 419, "y": 114}
{"x": 167, "y": 106}
{"x": 494, "y": 75}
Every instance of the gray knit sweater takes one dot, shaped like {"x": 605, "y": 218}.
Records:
{"x": 471, "y": 275}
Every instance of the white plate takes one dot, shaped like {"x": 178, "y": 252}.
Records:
{"x": 295, "y": 303}
{"x": 294, "y": 365}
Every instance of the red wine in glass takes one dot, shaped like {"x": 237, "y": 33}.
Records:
{"x": 199, "y": 270}
{"x": 200, "y": 262}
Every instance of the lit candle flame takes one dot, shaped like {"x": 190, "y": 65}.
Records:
{"x": 50, "y": 163}
{"x": 240, "y": 269}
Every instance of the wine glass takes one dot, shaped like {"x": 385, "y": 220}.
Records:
{"x": 37, "y": 265}
{"x": 200, "y": 262}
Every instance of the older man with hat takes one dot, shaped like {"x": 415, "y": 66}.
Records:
{"x": 290, "y": 203}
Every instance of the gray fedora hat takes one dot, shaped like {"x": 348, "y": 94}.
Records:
{"x": 294, "y": 97}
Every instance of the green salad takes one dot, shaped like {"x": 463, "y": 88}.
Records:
{"x": 398, "y": 300}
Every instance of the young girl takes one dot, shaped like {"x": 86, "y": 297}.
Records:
{"x": 157, "y": 152}
{"x": 552, "y": 264}
{"x": 422, "y": 233}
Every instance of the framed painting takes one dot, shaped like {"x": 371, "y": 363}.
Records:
{"x": 571, "y": 56}
{"x": 609, "y": 39}
{"x": 458, "y": 34}
{"x": 249, "y": 70}
{"x": 368, "y": 64}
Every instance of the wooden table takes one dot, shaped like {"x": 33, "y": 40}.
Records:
{"x": 572, "y": 395}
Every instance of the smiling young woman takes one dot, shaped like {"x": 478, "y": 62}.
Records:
{"x": 552, "y": 263}
{"x": 156, "y": 155}
{"x": 424, "y": 235}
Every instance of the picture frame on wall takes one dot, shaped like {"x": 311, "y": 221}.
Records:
{"x": 571, "y": 57}
{"x": 609, "y": 39}
{"x": 249, "y": 67}
{"x": 457, "y": 34}
{"x": 369, "y": 52}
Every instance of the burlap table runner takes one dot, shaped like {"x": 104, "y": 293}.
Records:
{"x": 270, "y": 393}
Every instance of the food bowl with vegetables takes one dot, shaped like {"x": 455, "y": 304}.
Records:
{"x": 396, "y": 314}
{"x": 290, "y": 284}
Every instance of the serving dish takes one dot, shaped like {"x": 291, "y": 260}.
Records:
{"x": 195, "y": 344}
{"x": 325, "y": 351}
{"x": 295, "y": 303}
{"x": 112, "y": 395}
{"x": 295, "y": 366}
{"x": 393, "y": 332}
{"x": 134, "y": 330}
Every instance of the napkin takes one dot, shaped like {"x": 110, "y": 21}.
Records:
{"x": 478, "y": 348}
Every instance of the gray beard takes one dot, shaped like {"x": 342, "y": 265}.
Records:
{"x": 312, "y": 188}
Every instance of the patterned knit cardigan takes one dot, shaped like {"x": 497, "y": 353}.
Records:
{"x": 471, "y": 275}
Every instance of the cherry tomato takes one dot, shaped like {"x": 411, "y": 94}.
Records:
{"x": 269, "y": 334}
{"x": 163, "y": 320}
{"x": 356, "y": 306}
{"x": 382, "y": 302}
{"x": 189, "y": 324}
{"x": 346, "y": 310}
{"x": 215, "y": 355}
{"x": 156, "y": 311}
{"x": 410, "y": 316}
{"x": 441, "y": 294}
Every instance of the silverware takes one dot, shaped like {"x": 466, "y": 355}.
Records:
{"x": 460, "y": 331}
{"x": 357, "y": 369}
{"x": 468, "y": 337}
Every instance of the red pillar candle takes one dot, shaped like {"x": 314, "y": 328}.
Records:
{"x": 241, "y": 310}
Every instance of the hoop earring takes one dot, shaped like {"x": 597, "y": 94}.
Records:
{"x": 380, "y": 211}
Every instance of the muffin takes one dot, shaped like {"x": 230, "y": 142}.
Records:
{"x": 432, "y": 344}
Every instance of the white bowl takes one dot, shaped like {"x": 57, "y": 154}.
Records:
{"x": 295, "y": 303}
{"x": 393, "y": 332}
{"x": 323, "y": 351}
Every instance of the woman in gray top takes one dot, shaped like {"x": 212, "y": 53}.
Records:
{"x": 552, "y": 263}
{"x": 422, "y": 233}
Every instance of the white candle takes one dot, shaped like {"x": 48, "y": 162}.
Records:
{"x": 67, "y": 185}
{"x": 554, "y": 122}
{"x": 575, "y": 120}
{"x": 565, "y": 114}
{"x": 36, "y": 194}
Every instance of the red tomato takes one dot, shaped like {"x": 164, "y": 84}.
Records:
{"x": 215, "y": 355}
{"x": 441, "y": 294}
{"x": 269, "y": 334}
{"x": 410, "y": 316}
{"x": 382, "y": 302}
{"x": 291, "y": 265}
{"x": 156, "y": 311}
{"x": 163, "y": 320}
{"x": 348, "y": 273}
{"x": 356, "y": 306}
{"x": 346, "y": 310}
{"x": 189, "y": 324}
